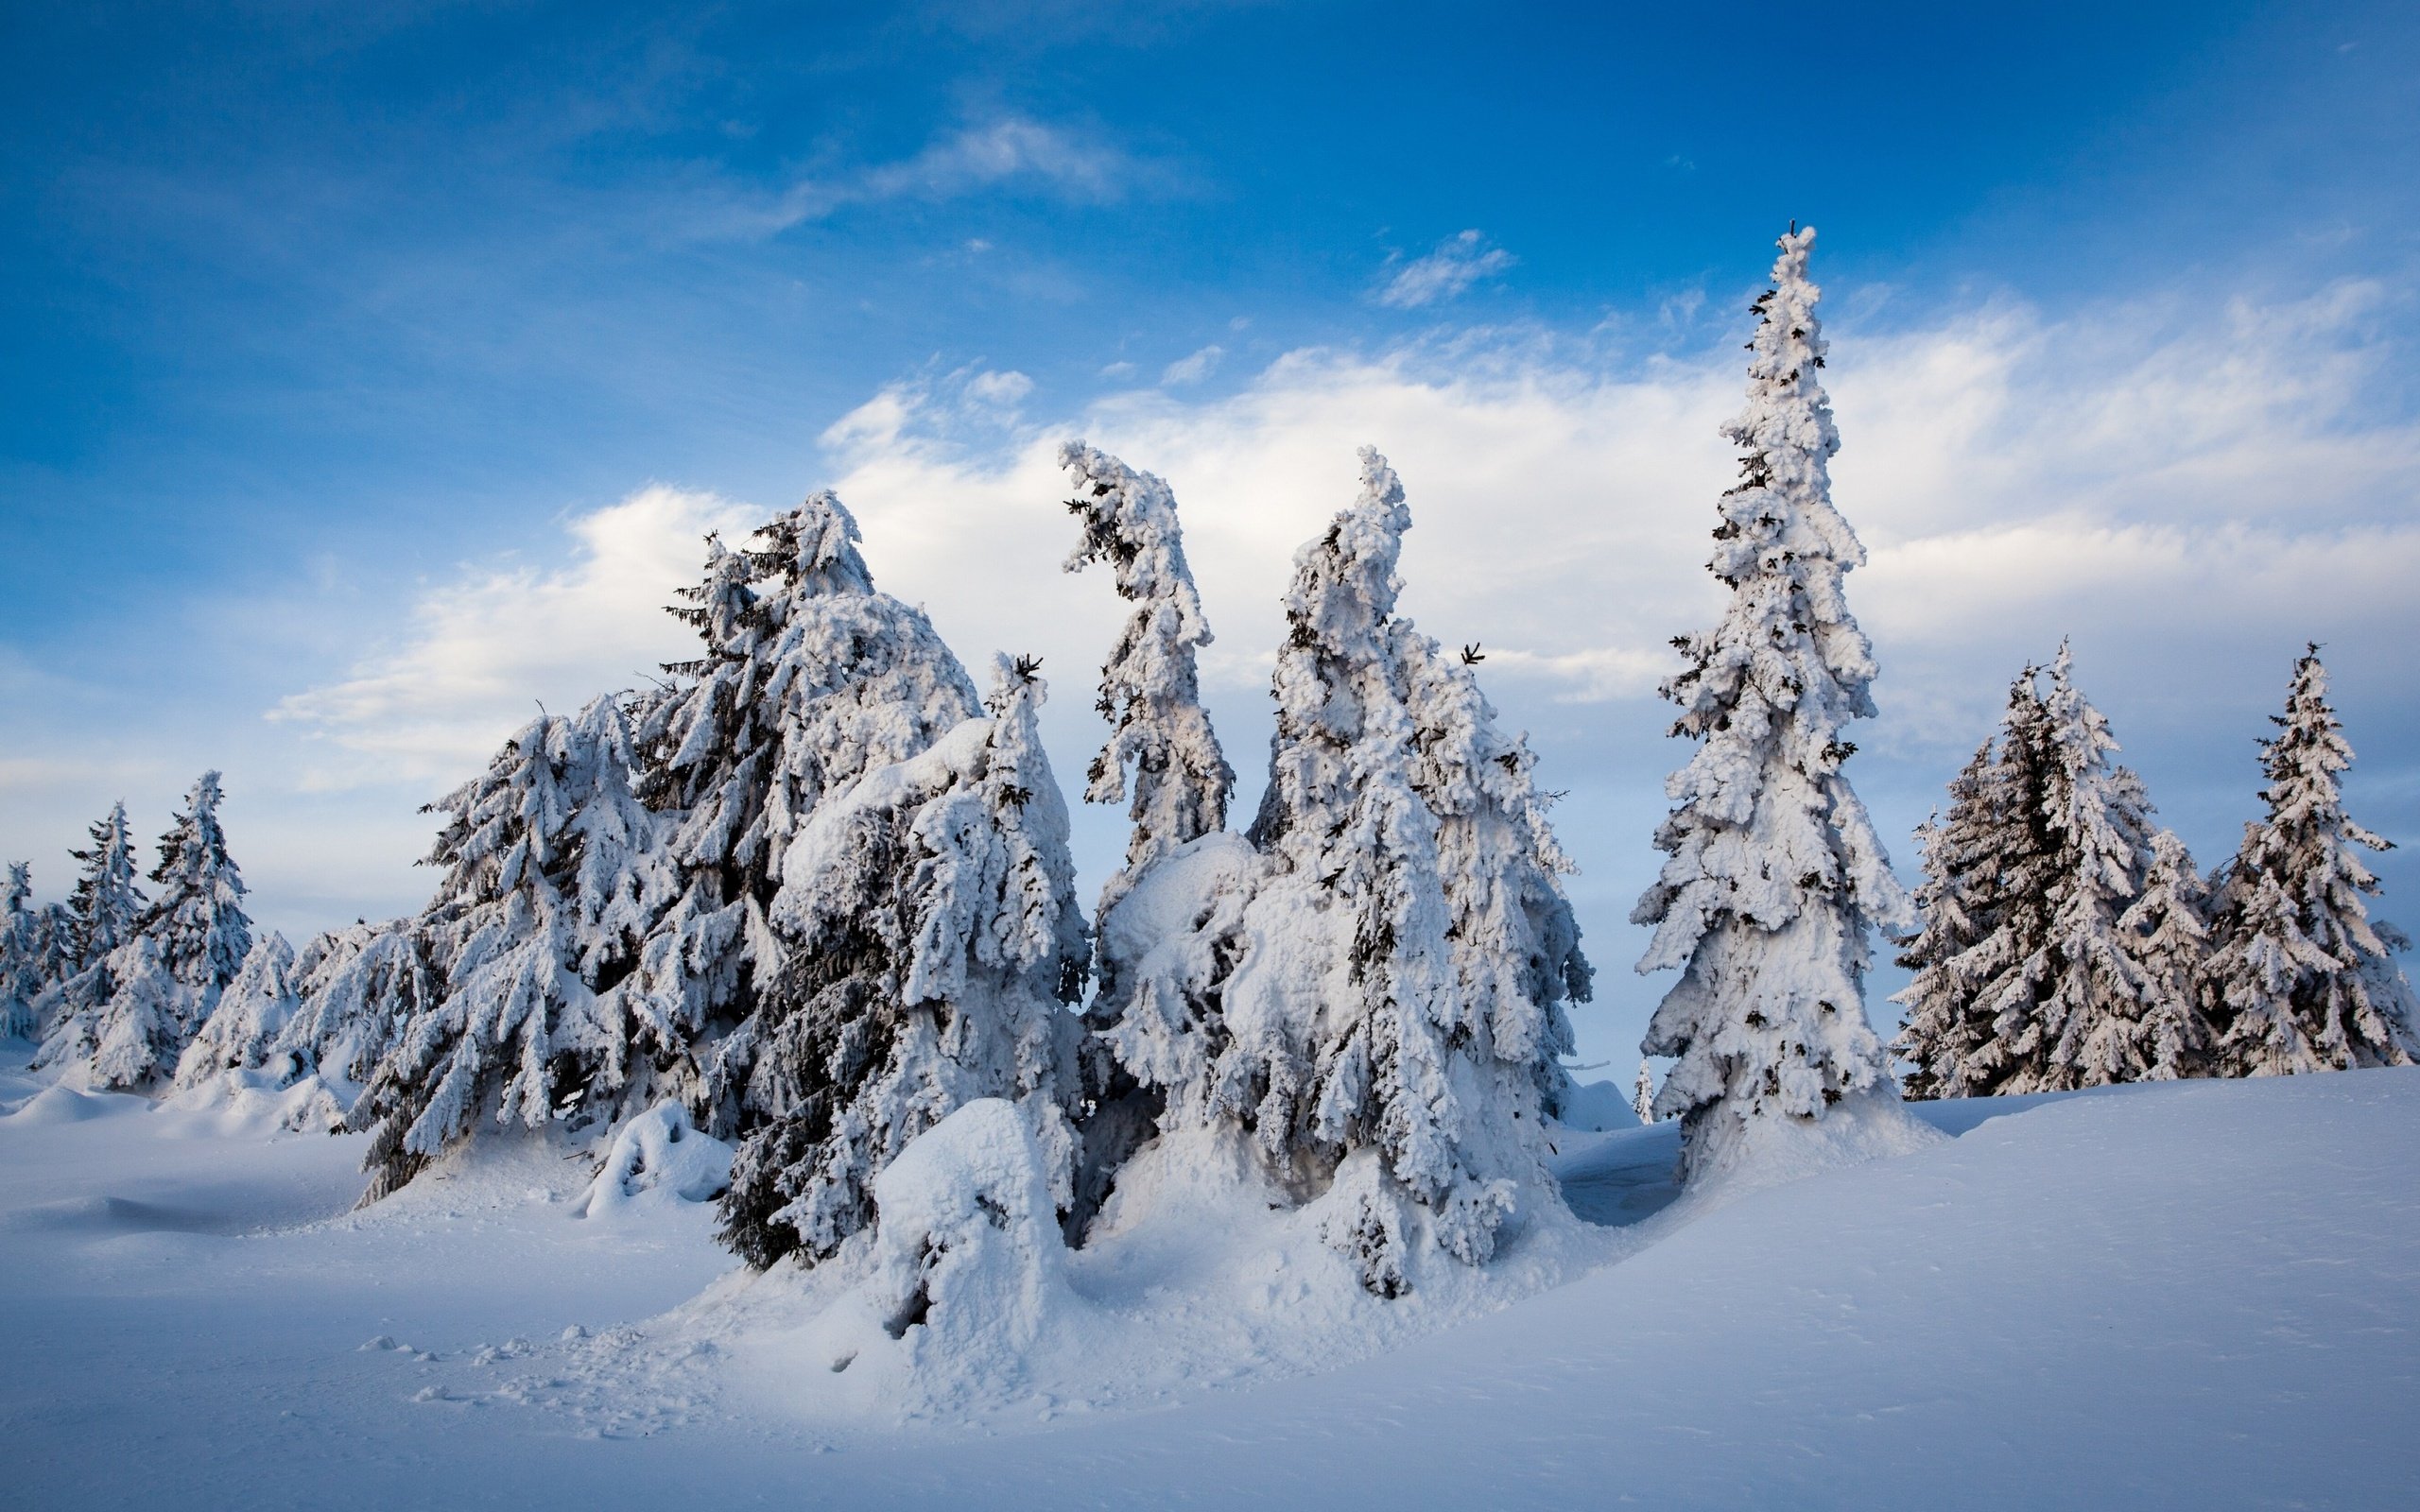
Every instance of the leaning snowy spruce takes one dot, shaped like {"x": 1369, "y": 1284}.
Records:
{"x": 1774, "y": 877}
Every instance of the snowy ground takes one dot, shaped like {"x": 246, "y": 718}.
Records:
{"x": 2204, "y": 1294}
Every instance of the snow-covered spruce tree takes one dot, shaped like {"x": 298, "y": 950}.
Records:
{"x": 1353, "y": 1061}
{"x": 1773, "y": 876}
{"x": 545, "y": 898}
{"x": 933, "y": 943}
{"x": 2096, "y": 995}
{"x": 2169, "y": 919}
{"x": 105, "y": 905}
{"x": 1511, "y": 938}
{"x": 252, "y": 1012}
{"x": 355, "y": 991}
{"x": 198, "y": 918}
{"x": 809, "y": 677}
{"x": 1642, "y": 1094}
{"x": 2301, "y": 974}
{"x": 103, "y": 915}
{"x": 1156, "y": 1011}
{"x": 1989, "y": 864}
{"x": 130, "y": 1013}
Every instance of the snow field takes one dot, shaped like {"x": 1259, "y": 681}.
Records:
{"x": 2199, "y": 1294}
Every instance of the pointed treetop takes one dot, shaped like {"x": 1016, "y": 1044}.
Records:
{"x": 814, "y": 547}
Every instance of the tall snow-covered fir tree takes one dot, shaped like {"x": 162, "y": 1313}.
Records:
{"x": 545, "y": 899}
{"x": 198, "y": 918}
{"x": 1361, "y": 1054}
{"x": 2302, "y": 976}
{"x": 1159, "y": 959}
{"x": 1642, "y": 1094}
{"x": 2169, "y": 919}
{"x": 933, "y": 946}
{"x": 1775, "y": 876}
{"x": 129, "y": 1014}
{"x": 105, "y": 905}
{"x": 1971, "y": 1030}
{"x": 2094, "y": 993}
{"x": 1151, "y": 691}
{"x": 809, "y": 678}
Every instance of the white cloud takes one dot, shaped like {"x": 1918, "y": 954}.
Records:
{"x": 998, "y": 390}
{"x": 2191, "y": 498}
{"x": 1193, "y": 368}
{"x": 483, "y": 651}
{"x": 1457, "y": 263}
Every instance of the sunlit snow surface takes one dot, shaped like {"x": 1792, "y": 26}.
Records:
{"x": 2203, "y": 1295}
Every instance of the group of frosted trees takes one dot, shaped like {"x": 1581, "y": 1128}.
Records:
{"x": 815, "y": 890}
{"x": 2068, "y": 943}
{"x": 112, "y": 981}
{"x": 813, "y": 894}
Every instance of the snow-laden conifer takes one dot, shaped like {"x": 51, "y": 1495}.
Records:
{"x": 933, "y": 943}
{"x": 809, "y": 678}
{"x": 2170, "y": 921}
{"x": 1989, "y": 862}
{"x": 253, "y": 1012}
{"x": 1150, "y": 687}
{"x": 2094, "y": 995}
{"x": 1512, "y": 939}
{"x": 199, "y": 917}
{"x": 1642, "y": 1094}
{"x": 1775, "y": 876}
{"x": 2302, "y": 975}
{"x": 105, "y": 905}
{"x": 356, "y": 988}
{"x": 537, "y": 919}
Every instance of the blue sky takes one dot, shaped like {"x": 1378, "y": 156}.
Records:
{"x": 346, "y": 342}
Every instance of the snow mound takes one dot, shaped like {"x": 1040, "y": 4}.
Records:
{"x": 59, "y": 1104}
{"x": 260, "y": 1100}
{"x": 969, "y": 1268}
{"x": 657, "y": 1159}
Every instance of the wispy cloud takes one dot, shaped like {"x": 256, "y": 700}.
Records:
{"x": 1457, "y": 263}
{"x": 1193, "y": 368}
{"x": 1010, "y": 152}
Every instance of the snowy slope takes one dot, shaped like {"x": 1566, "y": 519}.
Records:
{"x": 2200, "y": 1295}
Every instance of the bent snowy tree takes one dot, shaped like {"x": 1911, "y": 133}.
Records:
{"x": 1774, "y": 877}
{"x": 1158, "y": 952}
